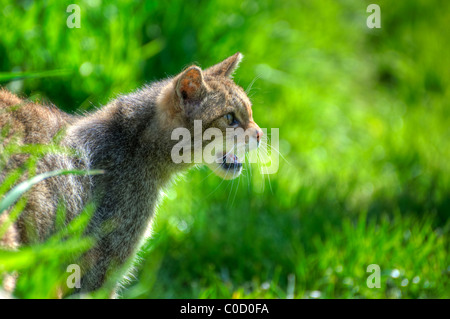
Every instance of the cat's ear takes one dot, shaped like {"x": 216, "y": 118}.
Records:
{"x": 226, "y": 67}
{"x": 190, "y": 85}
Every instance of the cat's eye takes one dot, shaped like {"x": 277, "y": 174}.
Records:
{"x": 231, "y": 119}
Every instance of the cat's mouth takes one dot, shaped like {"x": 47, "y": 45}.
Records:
{"x": 231, "y": 162}
{"x": 227, "y": 166}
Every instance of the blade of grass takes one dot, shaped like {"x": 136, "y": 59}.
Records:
{"x": 12, "y": 196}
{"x": 9, "y": 76}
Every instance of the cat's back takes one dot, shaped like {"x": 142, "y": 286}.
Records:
{"x": 24, "y": 122}
{"x": 31, "y": 123}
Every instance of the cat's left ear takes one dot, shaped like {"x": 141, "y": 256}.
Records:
{"x": 190, "y": 86}
{"x": 226, "y": 67}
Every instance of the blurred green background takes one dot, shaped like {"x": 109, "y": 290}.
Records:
{"x": 363, "y": 116}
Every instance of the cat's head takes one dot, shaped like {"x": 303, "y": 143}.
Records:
{"x": 216, "y": 112}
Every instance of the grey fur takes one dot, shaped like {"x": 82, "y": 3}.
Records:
{"x": 130, "y": 139}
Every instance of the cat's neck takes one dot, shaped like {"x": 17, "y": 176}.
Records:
{"x": 128, "y": 131}
{"x": 133, "y": 147}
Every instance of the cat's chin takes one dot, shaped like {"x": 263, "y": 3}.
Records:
{"x": 227, "y": 169}
{"x": 227, "y": 173}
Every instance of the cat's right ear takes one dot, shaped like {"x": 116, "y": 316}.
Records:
{"x": 226, "y": 67}
{"x": 190, "y": 86}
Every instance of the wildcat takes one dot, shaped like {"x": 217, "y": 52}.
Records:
{"x": 130, "y": 139}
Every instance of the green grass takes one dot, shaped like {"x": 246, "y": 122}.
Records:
{"x": 364, "y": 120}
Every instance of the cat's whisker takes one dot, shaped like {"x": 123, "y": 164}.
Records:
{"x": 247, "y": 161}
{"x": 266, "y": 145}
{"x": 268, "y": 177}
{"x": 219, "y": 183}
{"x": 235, "y": 193}
{"x": 250, "y": 86}
{"x": 232, "y": 182}
{"x": 259, "y": 168}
